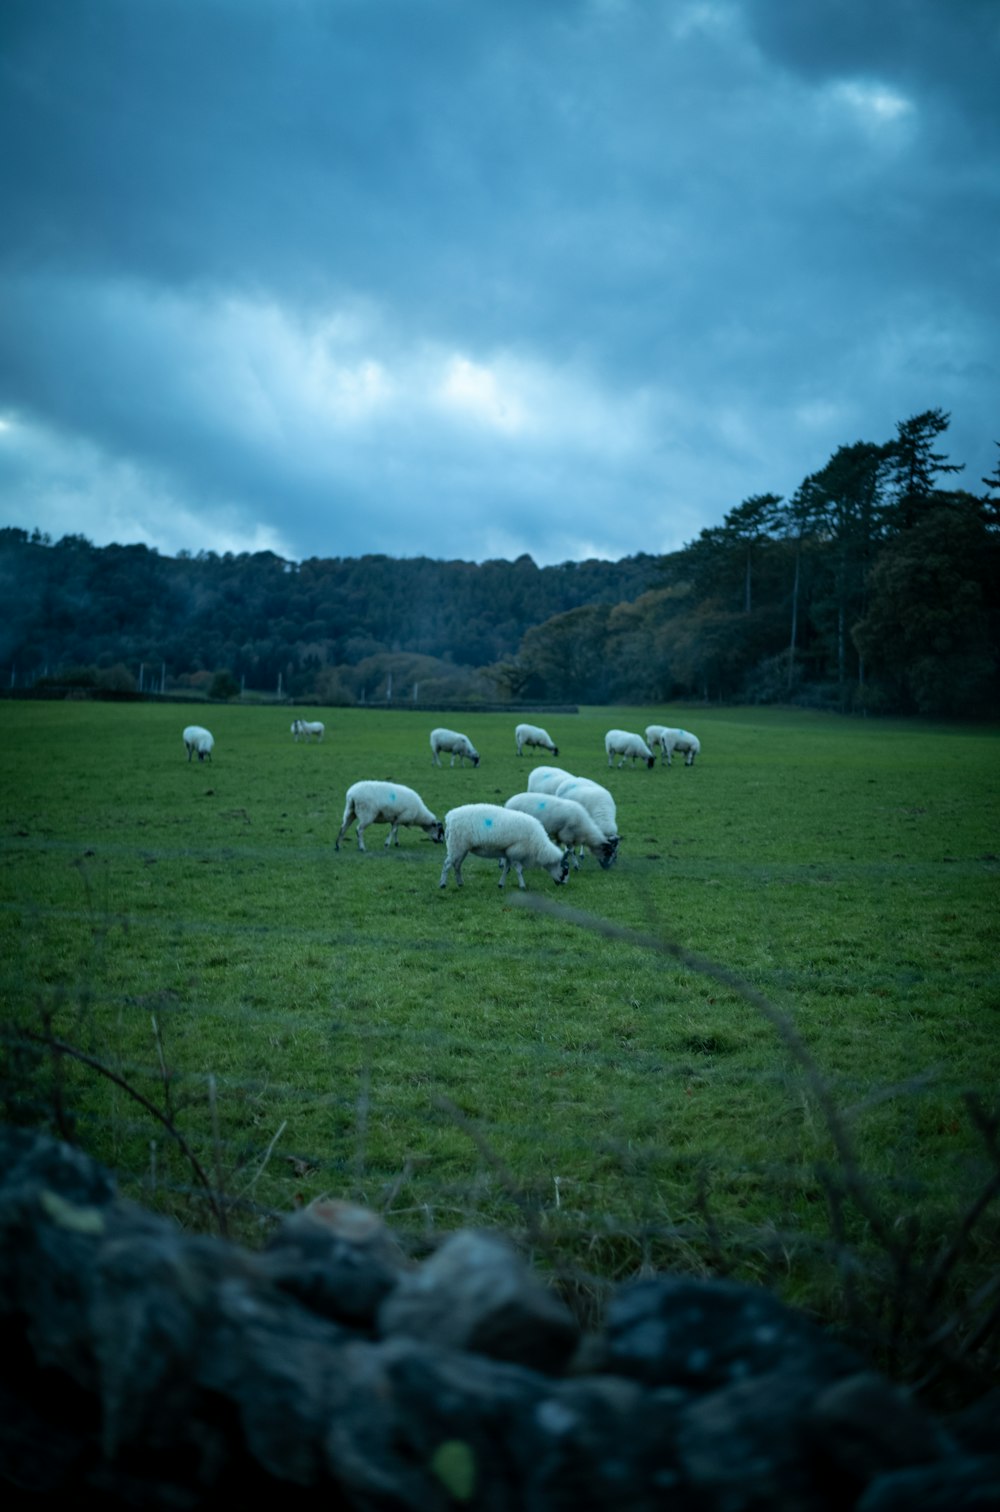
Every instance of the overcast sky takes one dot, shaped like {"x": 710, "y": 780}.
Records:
{"x": 472, "y": 278}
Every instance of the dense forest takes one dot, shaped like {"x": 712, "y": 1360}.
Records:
{"x": 875, "y": 587}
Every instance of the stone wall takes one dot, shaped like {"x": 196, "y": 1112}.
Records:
{"x": 145, "y": 1367}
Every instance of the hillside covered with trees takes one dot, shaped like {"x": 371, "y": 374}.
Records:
{"x": 876, "y": 586}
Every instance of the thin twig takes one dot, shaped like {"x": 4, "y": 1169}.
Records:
{"x": 62, "y": 1048}
{"x": 267, "y": 1155}
{"x": 217, "y": 1151}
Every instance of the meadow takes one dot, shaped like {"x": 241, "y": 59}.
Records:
{"x": 316, "y": 1023}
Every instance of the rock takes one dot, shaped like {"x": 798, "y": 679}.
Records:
{"x": 864, "y": 1426}
{"x": 970, "y": 1484}
{"x": 340, "y": 1260}
{"x": 681, "y": 1331}
{"x": 475, "y": 1293}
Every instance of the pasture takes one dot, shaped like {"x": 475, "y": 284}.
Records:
{"x": 317, "y": 1023}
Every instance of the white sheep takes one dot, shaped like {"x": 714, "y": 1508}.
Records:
{"x": 624, "y": 743}
{"x": 516, "y": 840}
{"x": 386, "y": 803}
{"x": 197, "y": 739}
{"x": 459, "y": 745}
{"x": 308, "y": 729}
{"x": 534, "y": 735}
{"x": 546, "y": 779}
{"x": 569, "y": 824}
{"x": 670, "y": 741}
{"x": 597, "y": 801}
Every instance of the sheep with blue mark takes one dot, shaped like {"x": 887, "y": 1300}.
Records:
{"x": 198, "y": 742}
{"x": 546, "y": 779}
{"x": 515, "y": 840}
{"x": 569, "y": 824}
{"x": 626, "y": 743}
{"x": 671, "y": 740}
{"x": 534, "y": 735}
{"x": 597, "y": 801}
{"x": 372, "y": 802}
{"x": 459, "y": 745}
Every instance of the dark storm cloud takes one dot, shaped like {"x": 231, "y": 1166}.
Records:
{"x": 348, "y": 275}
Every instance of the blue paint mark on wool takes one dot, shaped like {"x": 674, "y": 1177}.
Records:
{"x": 488, "y": 823}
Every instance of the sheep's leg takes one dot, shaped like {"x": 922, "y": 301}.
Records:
{"x": 362, "y": 826}
{"x": 520, "y": 876}
{"x": 348, "y": 818}
{"x": 451, "y": 864}
{"x": 393, "y": 838}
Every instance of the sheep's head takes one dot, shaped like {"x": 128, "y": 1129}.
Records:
{"x": 650, "y": 761}
{"x": 436, "y": 831}
{"x": 607, "y": 854}
{"x": 560, "y": 877}
{"x": 475, "y": 761}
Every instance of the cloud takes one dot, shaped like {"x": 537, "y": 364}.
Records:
{"x": 482, "y": 280}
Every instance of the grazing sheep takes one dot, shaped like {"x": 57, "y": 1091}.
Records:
{"x": 569, "y": 824}
{"x": 546, "y": 779}
{"x": 670, "y": 741}
{"x": 197, "y": 739}
{"x": 597, "y": 801}
{"x": 517, "y": 840}
{"x": 624, "y": 743}
{"x": 534, "y": 735}
{"x": 386, "y": 803}
{"x": 459, "y": 745}
{"x": 308, "y": 729}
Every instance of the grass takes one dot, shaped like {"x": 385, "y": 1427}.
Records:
{"x": 335, "y": 1023}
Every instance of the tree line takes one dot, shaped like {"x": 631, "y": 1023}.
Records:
{"x": 875, "y": 587}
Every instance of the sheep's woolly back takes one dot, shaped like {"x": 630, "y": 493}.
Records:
{"x": 198, "y": 740}
{"x": 546, "y": 779}
{"x": 387, "y": 800}
{"x": 626, "y": 743}
{"x": 563, "y": 818}
{"x": 534, "y": 735}
{"x": 485, "y": 829}
{"x": 670, "y": 740}
{"x": 454, "y": 741}
{"x": 595, "y": 799}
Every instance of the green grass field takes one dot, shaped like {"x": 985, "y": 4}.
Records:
{"x": 330, "y": 1023}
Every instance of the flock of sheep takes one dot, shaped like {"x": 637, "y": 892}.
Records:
{"x": 550, "y": 825}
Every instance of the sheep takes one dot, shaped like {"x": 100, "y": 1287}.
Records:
{"x": 569, "y": 823}
{"x": 386, "y": 803}
{"x": 624, "y": 743}
{"x": 198, "y": 739}
{"x": 518, "y": 840}
{"x": 308, "y": 729}
{"x": 670, "y": 741}
{"x": 534, "y": 735}
{"x": 597, "y": 801}
{"x": 459, "y": 745}
{"x": 546, "y": 779}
